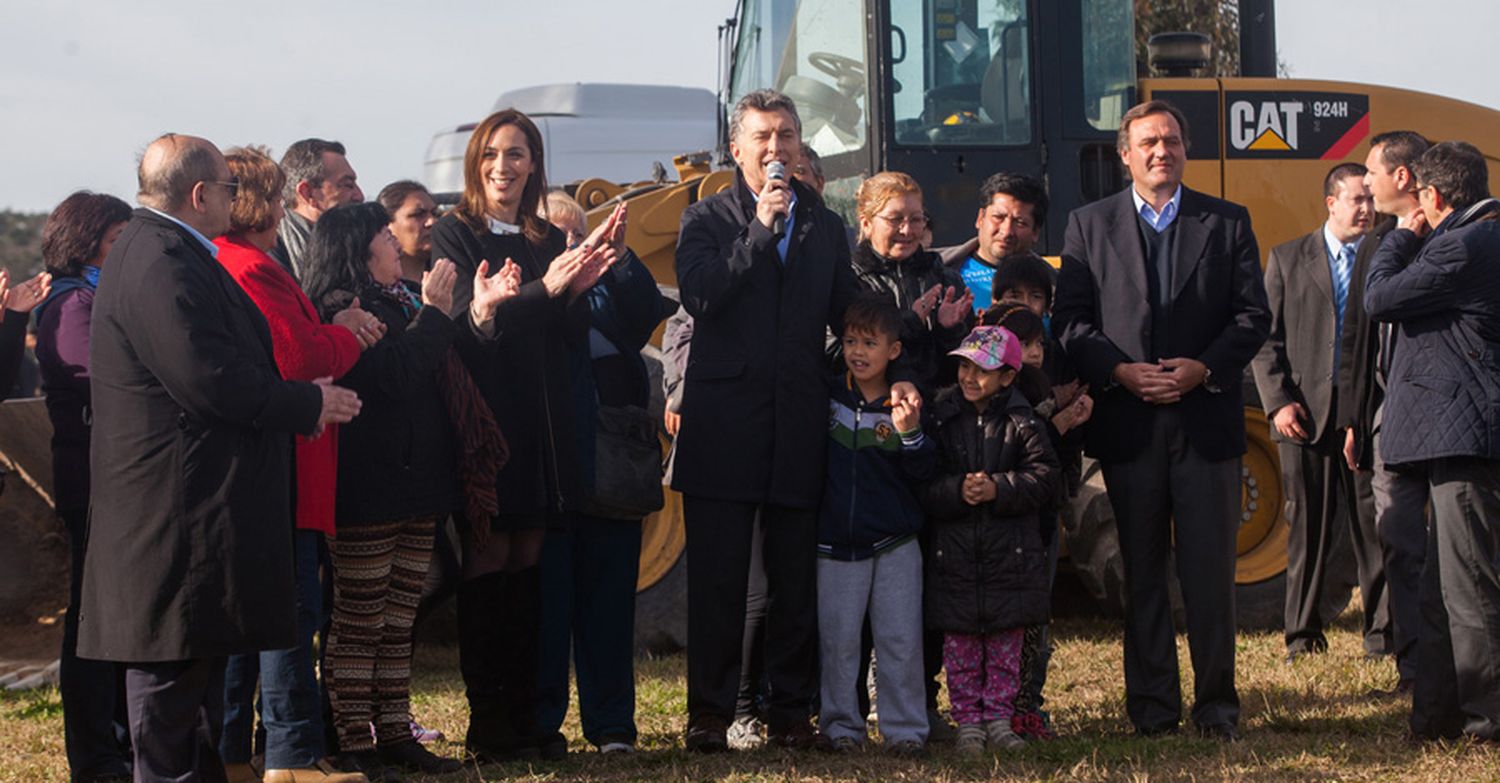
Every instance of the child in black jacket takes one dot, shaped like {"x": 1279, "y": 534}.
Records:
{"x": 987, "y": 577}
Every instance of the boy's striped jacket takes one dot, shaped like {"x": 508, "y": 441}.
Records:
{"x": 869, "y": 504}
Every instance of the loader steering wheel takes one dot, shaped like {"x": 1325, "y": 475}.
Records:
{"x": 841, "y": 68}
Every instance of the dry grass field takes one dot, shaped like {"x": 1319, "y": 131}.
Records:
{"x": 1312, "y": 720}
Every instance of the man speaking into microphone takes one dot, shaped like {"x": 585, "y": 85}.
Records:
{"x": 763, "y": 268}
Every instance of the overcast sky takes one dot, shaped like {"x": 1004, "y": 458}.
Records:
{"x": 84, "y": 85}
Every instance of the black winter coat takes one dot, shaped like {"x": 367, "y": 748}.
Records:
{"x": 1443, "y": 399}
{"x": 397, "y": 458}
{"x": 523, "y": 368}
{"x": 190, "y": 524}
{"x": 924, "y": 342}
{"x": 987, "y": 565}
{"x": 755, "y": 406}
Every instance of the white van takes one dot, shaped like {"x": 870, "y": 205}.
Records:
{"x": 615, "y": 132}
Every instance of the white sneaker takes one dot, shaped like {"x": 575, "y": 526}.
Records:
{"x": 746, "y": 734}
{"x": 617, "y": 747}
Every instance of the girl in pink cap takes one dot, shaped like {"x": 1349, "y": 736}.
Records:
{"x": 987, "y": 573}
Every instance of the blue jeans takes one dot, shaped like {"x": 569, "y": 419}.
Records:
{"x": 588, "y": 597}
{"x": 289, "y": 700}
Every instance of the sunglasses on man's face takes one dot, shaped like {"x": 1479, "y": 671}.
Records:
{"x": 233, "y": 185}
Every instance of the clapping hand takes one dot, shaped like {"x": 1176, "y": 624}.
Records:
{"x": 437, "y": 285}
{"x": 490, "y": 290}
{"x": 1074, "y": 413}
{"x": 978, "y": 488}
{"x": 954, "y": 308}
{"x": 364, "y": 326}
{"x": 577, "y": 269}
{"x": 924, "y": 304}
{"x": 24, "y": 297}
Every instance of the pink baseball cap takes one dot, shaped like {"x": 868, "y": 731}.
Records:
{"x": 991, "y": 347}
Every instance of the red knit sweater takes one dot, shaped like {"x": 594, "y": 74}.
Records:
{"x": 306, "y": 349}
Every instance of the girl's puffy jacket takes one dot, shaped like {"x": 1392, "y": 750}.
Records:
{"x": 986, "y": 569}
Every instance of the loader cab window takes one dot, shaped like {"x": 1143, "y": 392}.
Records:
{"x": 814, "y": 52}
{"x": 961, "y": 72}
{"x": 1108, "y": 61}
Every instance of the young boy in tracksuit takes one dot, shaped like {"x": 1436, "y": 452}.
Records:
{"x": 868, "y": 556}
{"x": 987, "y": 580}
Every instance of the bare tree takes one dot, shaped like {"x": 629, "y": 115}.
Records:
{"x": 1217, "y": 19}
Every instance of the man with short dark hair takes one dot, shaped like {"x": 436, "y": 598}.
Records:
{"x": 1391, "y": 506}
{"x": 1307, "y": 286}
{"x": 318, "y": 178}
{"x": 1434, "y": 280}
{"x": 1160, "y": 305}
{"x": 763, "y": 268}
{"x": 1012, "y": 209}
{"x": 190, "y": 523}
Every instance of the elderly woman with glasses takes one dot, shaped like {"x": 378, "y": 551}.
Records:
{"x": 935, "y": 306}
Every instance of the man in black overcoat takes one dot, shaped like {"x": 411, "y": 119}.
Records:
{"x": 1441, "y": 424}
{"x": 1308, "y": 281}
{"x": 190, "y": 525}
{"x": 763, "y": 269}
{"x": 1160, "y": 306}
{"x": 1390, "y": 502}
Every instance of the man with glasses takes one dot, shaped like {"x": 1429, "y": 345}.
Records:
{"x": 1433, "y": 280}
{"x": 1012, "y": 209}
{"x": 318, "y": 178}
{"x": 190, "y": 529}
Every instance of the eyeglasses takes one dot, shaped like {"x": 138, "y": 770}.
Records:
{"x": 916, "y": 222}
{"x": 233, "y": 185}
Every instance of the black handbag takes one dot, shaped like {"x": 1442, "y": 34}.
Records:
{"x": 627, "y": 464}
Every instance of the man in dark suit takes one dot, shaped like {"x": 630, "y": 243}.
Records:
{"x": 763, "y": 269}
{"x": 1434, "y": 280}
{"x": 190, "y": 527}
{"x": 1307, "y": 285}
{"x": 1390, "y": 504}
{"x": 1160, "y": 305}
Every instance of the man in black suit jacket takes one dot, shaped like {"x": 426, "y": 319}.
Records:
{"x": 190, "y": 527}
{"x": 763, "y": 269}
{"x": 1307, "y": 285}
{"x": 1160, "y": 305}
{"x": 1393, "y": 503}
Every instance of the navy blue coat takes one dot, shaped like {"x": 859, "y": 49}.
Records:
{"x": 869, "y": 502}
{"x": 1443, "y": 295}
{"x": 755, "y": 405}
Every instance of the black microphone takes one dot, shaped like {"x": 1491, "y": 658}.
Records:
{"x": 776, "y": 171}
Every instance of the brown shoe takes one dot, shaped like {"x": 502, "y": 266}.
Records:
{"x": 321, "y": 772}
{"x": 707, "y": 734}
{"x": 799, "y": 736}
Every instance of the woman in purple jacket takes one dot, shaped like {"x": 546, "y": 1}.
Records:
{"x": 75, "y": 240}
